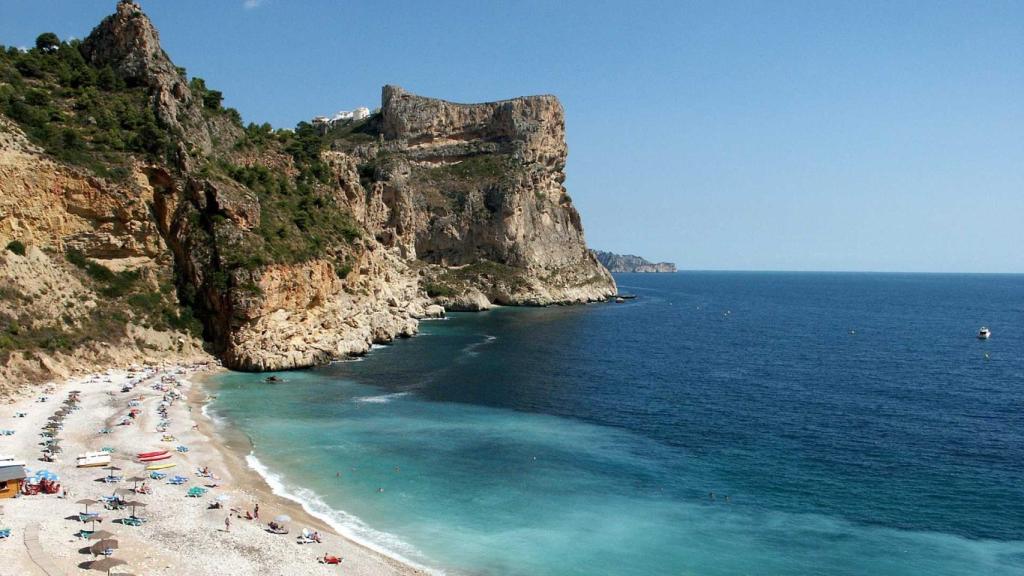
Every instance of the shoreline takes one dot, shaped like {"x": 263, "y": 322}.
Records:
{"x": 180, "y": 534}
{"x": 239, "y": 457}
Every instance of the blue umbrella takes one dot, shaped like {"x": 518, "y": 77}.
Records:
{"x": 46, "y": 475}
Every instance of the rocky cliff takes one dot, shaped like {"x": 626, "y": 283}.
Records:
{"x": 480, "y": 201}
{"x": 630, "y": 263}
{"x": 290, "y": 247}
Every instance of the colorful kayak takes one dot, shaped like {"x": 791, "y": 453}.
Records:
{"x": 151, "y": 454}
{"x": 155, "y": 458}
{"x": 161, "y": 466}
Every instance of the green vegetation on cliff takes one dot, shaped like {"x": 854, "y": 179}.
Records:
{"x": 80, "y": 114}
{"x": 298, "y": 220}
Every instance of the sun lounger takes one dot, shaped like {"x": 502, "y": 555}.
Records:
{"x": 88, "y": 516}
{"x": 5, "y": 532}
{"x": 195, "y": 492}
{"x": 182, "y": 449}
{"x": 306, "y": 537}
{"x": 157, "y": 475}
{"x": 132, "y": 521}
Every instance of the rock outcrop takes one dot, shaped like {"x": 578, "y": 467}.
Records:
{"x": 128, "y": 42}
{"x": 476, "y": 184}
{"x": 630, "y": 263}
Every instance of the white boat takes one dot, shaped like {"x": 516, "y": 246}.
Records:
{"x": 10, "y": 461}
{"x": 91, "y": 459}
{"x": 984, "y": 333}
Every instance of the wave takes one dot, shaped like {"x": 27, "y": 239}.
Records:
{"x": 343, "y": 523}
{"x": 382, "y": 399}
{"x": 471, "y": 349}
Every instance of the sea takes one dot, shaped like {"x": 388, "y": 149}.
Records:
{"x": 720, "y": 423}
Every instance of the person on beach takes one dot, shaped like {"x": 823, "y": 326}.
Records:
{"x": 256, "y": 512}
{"x": 227, "y": 523}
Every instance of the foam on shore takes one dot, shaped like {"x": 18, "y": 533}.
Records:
{"x": 343, "y": 523}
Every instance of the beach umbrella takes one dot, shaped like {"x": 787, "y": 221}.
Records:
{"x": 102, "y": 546}
{"x": 133, "y": 504}
{"x": 87, "y": 503}
{"x": 46, "y": 475}
{"x": 283, "y": 518}
{"x": 101, "y": 535}
{"x": 106, "y": 564}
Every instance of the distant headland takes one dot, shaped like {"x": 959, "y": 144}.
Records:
{"x": 629, "y": 263}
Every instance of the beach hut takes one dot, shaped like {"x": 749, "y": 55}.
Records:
{"x": 11, "y": 478}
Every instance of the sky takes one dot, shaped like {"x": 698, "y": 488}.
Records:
{"x": 791, "y": 135}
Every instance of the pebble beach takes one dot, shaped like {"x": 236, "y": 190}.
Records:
{"x": 179, "y": 533}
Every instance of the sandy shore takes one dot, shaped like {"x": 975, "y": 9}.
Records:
{"x": 182, "y": 535}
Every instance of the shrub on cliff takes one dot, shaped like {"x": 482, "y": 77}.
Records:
{"x": 47, "y": 41}
{"x": 80, "y": 114}
{"x": 17, "y": 247}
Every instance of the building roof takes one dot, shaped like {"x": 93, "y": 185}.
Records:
{"x": 12, "y": 473}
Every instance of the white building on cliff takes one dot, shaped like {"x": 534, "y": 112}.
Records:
{"x": 342, "y": 117}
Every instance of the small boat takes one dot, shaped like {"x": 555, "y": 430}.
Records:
{"x": 984, "y": 333}
{"x": 151, "y": 454}
{"x": 161, "y": 466}
{"x": 6, "y": 461}
{"x": 91, "y": 459}
{"x": 155, "y": 458}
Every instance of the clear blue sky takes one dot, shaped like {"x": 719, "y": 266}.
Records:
{"x": 719, "y": 135}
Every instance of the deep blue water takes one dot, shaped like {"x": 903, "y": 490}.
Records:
{"x": 844, "y": 423}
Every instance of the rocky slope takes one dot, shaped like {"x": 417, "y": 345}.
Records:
{"x": 630, "y": 263}
{"x": 291, "y": 247}
{"x": 55, "y": 319}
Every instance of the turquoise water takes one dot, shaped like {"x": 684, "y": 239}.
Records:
{"x": 722, "y": 423}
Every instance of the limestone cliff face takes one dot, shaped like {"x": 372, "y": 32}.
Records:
{"x": 53, "y": 208}
{"x": 476, "y": 183}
